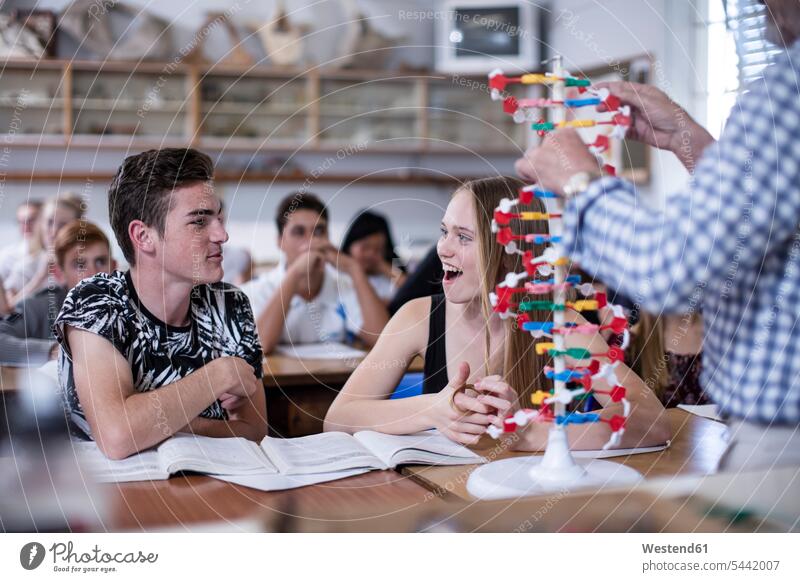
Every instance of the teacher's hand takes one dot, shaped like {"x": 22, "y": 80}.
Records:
{"x": 561, "y": 155}
{"x": 658, "y": 121}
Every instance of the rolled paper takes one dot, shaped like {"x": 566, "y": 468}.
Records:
{"x": 543, "y": 305}
{"x": 575, "y": 418}
{"x": 546, "y": 326}
{"x": 584, "y": 328}
{"x": 538, "y": 397}
{"x": 577, "y": 353}
{"x": 582, "y": 102}
{"x": 541, "y": 239}
{"x": 528, "y": 193}
{"x": 573, "y": 82}
{"x": 527, "y": 215}
{"x": 583, "y": 305}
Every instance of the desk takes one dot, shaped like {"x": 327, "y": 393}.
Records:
{"x": 184, "y": 502}
{"x": 299, "y": 392}
{"x": 9, "y": 378}
{"x": 697, "y": 445}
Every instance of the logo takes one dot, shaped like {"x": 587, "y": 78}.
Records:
{"x": 31, "y": 555}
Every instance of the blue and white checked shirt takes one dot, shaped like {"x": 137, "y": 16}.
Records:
{"x": 728, "y": 244}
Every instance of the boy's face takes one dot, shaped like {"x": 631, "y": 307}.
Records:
{"x": 83, "y": 261}
{"x": 303, "y": 228}
{"x": 194, "y": 232}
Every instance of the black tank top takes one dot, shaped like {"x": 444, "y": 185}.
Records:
{"x": 435, "y": 370}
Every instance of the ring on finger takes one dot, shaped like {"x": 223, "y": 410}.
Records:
{"x": 453, "y": 404}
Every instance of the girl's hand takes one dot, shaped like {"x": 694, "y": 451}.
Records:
{"x": 458, "y": 415}
{"x": 500, "y": 398}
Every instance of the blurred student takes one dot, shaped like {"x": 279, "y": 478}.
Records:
{"x": 28, "y": 244}
{"x": 316, "y": 294}
{"x": 36, "y": 271}
{"x": 5, "y": 307}
{"x": 26, "y": 336}
{"x": 27, "y": 220}
{"x": 164, "y": 347}
{"x": 369, "y": 241}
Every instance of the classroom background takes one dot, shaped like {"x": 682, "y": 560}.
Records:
{"x": 370, "y": 105}
{"x": 383, "y": 130}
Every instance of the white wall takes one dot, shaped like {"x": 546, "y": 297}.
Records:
{"x": 595, "y": 33}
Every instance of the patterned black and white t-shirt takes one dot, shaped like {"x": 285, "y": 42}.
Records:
{"x": 159, "y": 354}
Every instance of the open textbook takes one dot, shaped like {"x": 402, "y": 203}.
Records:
{"x": 277, "y": 463}
{"x": 320, "y": 351}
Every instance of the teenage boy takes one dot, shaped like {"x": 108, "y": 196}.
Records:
{"x": 316, "y": 294}
{"x": 165, "y": 346}
{"x": 26, "y": 336}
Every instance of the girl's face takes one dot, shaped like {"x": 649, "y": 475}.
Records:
{"x": 458, "y": 250}
{"x": 368, "y": 251}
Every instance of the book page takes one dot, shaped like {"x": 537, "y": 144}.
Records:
{"x": 705, "y": 410}
{"x": 319, "y": 453}
{"x": 145, "y": 466}
{"x": 280, "y": 482}
{"x": 428, "y": 447}
{"x": 226, "y": 456}
{"x": 320, "y": 351}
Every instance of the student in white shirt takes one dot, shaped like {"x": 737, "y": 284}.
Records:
{"x": 316, "y": 294}
{"x": 369, "y": 241}
{"x": 11, "y": 257}
{"x": 33, "y": 273}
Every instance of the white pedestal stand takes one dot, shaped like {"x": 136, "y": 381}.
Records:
{"x": 556, "y": 471}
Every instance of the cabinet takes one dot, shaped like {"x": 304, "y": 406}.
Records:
{"x": 120, "y": 104}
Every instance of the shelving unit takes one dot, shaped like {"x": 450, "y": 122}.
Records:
{"x": 78, "y": 104}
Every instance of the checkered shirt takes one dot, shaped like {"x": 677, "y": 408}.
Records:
{"x": 728, "y": 244}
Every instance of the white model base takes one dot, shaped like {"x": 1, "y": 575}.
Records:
{"x": 511, "y": 478}
{"x": 556, "y": 471}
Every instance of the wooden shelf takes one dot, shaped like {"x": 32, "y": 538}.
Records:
{"x": 227, "y": 176}
{"x": 418, "y": 114}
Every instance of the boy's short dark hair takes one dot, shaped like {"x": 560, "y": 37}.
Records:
{"x": 140, "y": 190}
{"x": 298, "y": 201}
{"x": 78, "y": 232}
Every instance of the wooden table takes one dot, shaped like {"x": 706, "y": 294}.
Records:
{"x": 412, "y": 501}
{"x": 697, "y": 445}
{"x": 300, "y": 391}
{"x": 189, "y": 502}
{"x": 9, "y": 378}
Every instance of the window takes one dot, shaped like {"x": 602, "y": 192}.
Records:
{"x": 737, "y": 53}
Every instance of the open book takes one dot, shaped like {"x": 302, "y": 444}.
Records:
{"x": 320, "y": 351}
{"x": 182, "y": 452}
{"x": 320, "y": 457}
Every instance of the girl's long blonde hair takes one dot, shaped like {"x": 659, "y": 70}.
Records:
{"x": 647, "y": 352}
{"x": 522, "y": 368}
